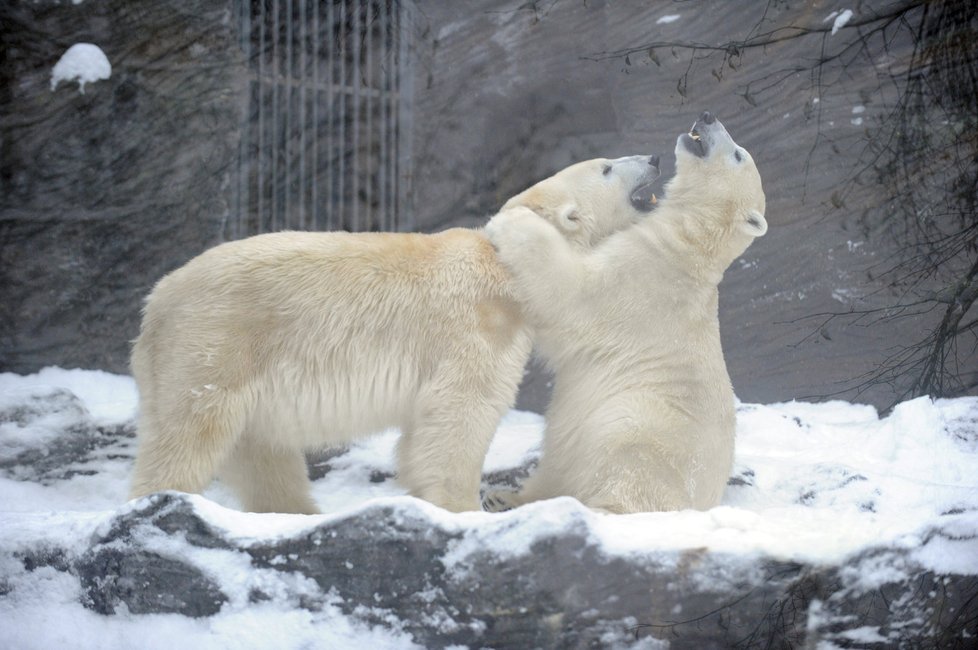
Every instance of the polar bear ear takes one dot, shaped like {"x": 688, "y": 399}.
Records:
{"x": 569, "y": 218}
{"x": 754, "y": 223}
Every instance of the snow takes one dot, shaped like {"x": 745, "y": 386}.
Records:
{"x": 82, "y": 62}
{"x": 840, "y": 19}
{"x": 665, "y": 20}
{"x": 813, "y": 483}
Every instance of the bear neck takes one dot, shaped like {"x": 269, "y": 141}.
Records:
{"x": 691, "y": 234}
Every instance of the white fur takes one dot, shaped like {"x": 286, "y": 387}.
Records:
{"x": 642, "y": 417}
{"x": 260, "y": 349}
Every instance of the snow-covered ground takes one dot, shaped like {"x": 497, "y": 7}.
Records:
{"x": 813, "y": 483}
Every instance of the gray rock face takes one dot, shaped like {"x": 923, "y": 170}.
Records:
{"x": 74, "y": 447}
{"x": 101, "y": 193}
{"x": 564, "y": 592}
{"x": 544, "y": 576}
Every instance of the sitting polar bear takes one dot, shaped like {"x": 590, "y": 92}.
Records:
{"x": 262, "y": 348}
{"x": 642, "y": 415}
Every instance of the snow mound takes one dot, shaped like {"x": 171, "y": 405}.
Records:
{"x": 82, "y": 62}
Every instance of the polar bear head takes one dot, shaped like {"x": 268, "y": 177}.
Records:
{"x": 590, "y": 200}
{"x": 717, "y": 188}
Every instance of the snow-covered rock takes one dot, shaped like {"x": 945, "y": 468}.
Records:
{"x": 82, "y": 62}
{"x": 839, "y": 529}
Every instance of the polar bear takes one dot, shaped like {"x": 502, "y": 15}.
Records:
{"x": 642, "y": 414}
{"x": 262, "y": 348}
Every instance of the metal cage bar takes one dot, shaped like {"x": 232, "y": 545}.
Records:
{"x": 325, "y": 139}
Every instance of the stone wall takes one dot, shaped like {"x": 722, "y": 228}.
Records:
{"x": 102, "y": 192}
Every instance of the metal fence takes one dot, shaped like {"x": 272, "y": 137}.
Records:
{"x": 325, "y": 142}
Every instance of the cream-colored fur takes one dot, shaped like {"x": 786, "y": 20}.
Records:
{"x": 260, "y": 349}
{"x": 642, "y": 416}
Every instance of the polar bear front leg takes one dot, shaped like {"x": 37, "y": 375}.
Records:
{"x": 440, "y": 458}
{"x": 545, "y": 267}
{"x": 440, "y": 455}
{"x": 269, "y": 478}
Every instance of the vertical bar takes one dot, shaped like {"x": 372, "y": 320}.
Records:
{"x": 244, "y": 202}
{"x": 288, "y": 82}
{"x": 233, "y": 226}
{"x": 302, "y": 41}
{"x": 331, "y": 51}
{"x": 355, "y": 88}
{"x": 404, "y": 97}
{"x": 303, "y": 118}
{"x": 262, "y": 145}
{"x": 392, "y": 116}
{"x": 276, "y": 130}
{"x": 315, "y": 44}
{"x": 341, "y": 153}
{"x": 368, "y": 76}
{"x": 382, "y": 98}
{"x": 396, "y": 14}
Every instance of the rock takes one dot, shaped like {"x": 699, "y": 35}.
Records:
{"x": 72, "y": 444}
{"x": 120, "y": 574}
{"x": 540, "y": 576}
{"x": 102, "y": 193}
{"x": 388, "y": 564}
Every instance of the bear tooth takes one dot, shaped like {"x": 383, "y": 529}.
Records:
{"x": 653, "y": 200}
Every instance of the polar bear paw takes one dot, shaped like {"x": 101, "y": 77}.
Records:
{"x": 511, "y": 227}
{"x": 500, "y": 501}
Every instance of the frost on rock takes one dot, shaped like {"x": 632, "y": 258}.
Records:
{"x": 82, "y": 62}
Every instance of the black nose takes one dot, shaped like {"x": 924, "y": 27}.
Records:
{"x": 654, "y": 160}
{"x": 707, "y": 117}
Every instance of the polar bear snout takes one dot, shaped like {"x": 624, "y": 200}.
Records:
{"x": 706, "y": 136}
{"x": 645, "y": 172}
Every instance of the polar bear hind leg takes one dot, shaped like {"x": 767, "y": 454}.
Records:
{"x": 184, "y": 451}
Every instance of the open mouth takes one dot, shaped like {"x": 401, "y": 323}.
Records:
{"x": 693, "y": 142}
{"x": 643, "y": 197}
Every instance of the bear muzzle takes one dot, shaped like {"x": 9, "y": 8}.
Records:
{"x": 704, "y": 136}
{"x": 643, "y": 196}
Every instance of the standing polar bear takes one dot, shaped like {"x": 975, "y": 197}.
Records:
{"x": 642, "y": 415}
{"x": 260, "y": 349}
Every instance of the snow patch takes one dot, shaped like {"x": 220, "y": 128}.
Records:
{"x": 840, "y": 19}
{"x": 665, "y": 20}
{"x": 109, "y": 399}
{"x": 82, "y": 62}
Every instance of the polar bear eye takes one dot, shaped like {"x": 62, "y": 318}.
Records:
{"x": 738, "y": 156}
{"x": 606, "y": 170}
